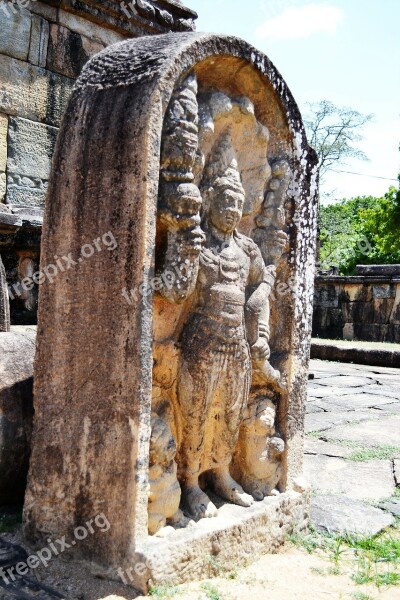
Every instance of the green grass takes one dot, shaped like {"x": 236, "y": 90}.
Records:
{"x": 362, "y": 596}
{"x": 360, "y": 453}
{"x": 364, "y": 453}
{"x": 163, "y": 591}
{"x": 9, "y": 520}
{"x": 372, "y": 560}
{"x": 211, "y": 591}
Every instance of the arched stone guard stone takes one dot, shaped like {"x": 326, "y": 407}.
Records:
{"x": 93, "y": 374}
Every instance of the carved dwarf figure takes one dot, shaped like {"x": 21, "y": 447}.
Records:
{"x": 215, "y": 371}
{"x": 165, "y": 492}
{"x": 257, "y": 463}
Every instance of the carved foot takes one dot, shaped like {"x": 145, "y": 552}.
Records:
{"x": 197, "y": 504}
{"x": 229, "y": 489}
{"x": 179, "y": 521}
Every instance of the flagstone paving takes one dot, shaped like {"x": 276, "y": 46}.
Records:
{"x": 352, "y": 446}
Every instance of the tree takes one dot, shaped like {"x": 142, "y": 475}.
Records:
{"x": 362, "y": 230}
{"x": 333, "y": 132}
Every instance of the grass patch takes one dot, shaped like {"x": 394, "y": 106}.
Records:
{"x": 211, "y": 591}
{"x": 163, "y": 591}
{"x": 9, "y": 520}
{"x": 369, "y": 560}
{"x": 360, "y": 453}
{"x": 364, "y": 453}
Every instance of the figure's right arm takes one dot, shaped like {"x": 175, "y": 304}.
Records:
{"x": 180, "y": 215}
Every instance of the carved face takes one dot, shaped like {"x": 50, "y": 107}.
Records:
{"x": 225, "y": 209}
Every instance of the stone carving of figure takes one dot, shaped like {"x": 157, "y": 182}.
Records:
{"x": 216, "y": 350}
{"x": 257, "y": 464}
{"x": 226, "y": 279}
{"x": 165, "y": 492}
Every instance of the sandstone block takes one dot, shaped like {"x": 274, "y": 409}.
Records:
{"x": 112, "y": 368}
{"x": 89, "y": 29}
{"x": 396, "y": 468}
{"x": 69, "y": 51}
{"x": 15, "y": 33}
{"x": 17, "y": 350}
{"x": 44, "y": 10}
{"x": 337, "y": 514}
{"x": 3, "y": 142}
{"x": 25, "y": 192}
{"x": 383, "y": 291}
{"x": 3, "y": 185}
{"x": 32, "y": 92}
{"x": 39, "y": 41}
{"x": 30, "y": 148}
{"x": 348, "y": 331}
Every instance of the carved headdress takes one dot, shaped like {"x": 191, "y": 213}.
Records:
{"x": 221, "y": 171}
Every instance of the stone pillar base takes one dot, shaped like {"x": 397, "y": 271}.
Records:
{"x": 212, "y": 547}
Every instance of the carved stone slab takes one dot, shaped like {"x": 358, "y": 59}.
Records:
{"x": 173, "y": 367}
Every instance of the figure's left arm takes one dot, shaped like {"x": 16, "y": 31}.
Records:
{"x": 257, "y": 310}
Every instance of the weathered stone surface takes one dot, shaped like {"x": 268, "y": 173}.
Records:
{"x": 44, "y": 10}
{"x": 3, "y": 142}
{"x": 39, "y": 41}
{"x": 261, "y": 529}
{"x": 25, "y": 191}
{"x": 396, "y": 469}
{"x": 392, "y": 507}
{"x": 3, "y": 154}
{"x": 357, "y": 308}
{"x": 326, "y": 420}
{"x": 32, "y": 93}
{"x": 3, "y": 186}
{"x": 109, "y": 149}
{"x": 328, "y": 350}
{"x": 30, "y": 148}
{"x": 15, "y": 33}
{"x": 69, "y": 51}
{"x": 371, "y": 480}
{"x": 354, "y": 402}
{"x": 4, "y": 302}
{"x": 336, "y": 514}
{"x": 385, "y": 270}
{"x": 17, "y": 350}
{"x": 383, "y": 431}
{"x": 88, "y": 29}
{"x": 327, "y": 448}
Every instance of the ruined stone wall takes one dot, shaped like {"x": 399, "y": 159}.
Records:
{"x": 364, "y": 307}
{"x": 43, "y": 47}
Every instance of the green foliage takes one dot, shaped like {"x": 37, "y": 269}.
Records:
{"x": 362, "y": 230}
{"x": 211, "y": 591}
{"x": 372, "y": 560}
{"x": 163, "y": 591}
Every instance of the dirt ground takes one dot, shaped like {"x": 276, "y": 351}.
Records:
{"x": 292, "y": 574}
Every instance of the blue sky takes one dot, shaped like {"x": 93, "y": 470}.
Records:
{"x": 345, "y": 52}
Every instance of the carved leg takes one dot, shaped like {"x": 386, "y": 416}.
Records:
{"x": 226, "y": 487}
{"x": 196, "y": 387}
{"x": 232, "y": 397}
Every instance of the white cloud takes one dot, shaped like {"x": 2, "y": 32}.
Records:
{"x": 301, "y": 22}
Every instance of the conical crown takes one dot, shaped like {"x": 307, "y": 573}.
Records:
{"x": 221, "y": 170}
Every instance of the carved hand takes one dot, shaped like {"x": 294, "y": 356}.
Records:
{"x": 260, "y": 350}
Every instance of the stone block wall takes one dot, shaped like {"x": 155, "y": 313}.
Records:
{"x": 364, "y": 307}
{"x": 43, "y": 47}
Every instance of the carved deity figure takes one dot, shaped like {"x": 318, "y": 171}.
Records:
{"x": 215, "y": 371}
{"x": 224, "y": 280}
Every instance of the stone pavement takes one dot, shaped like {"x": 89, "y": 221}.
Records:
{"x": 353, "y": 446}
